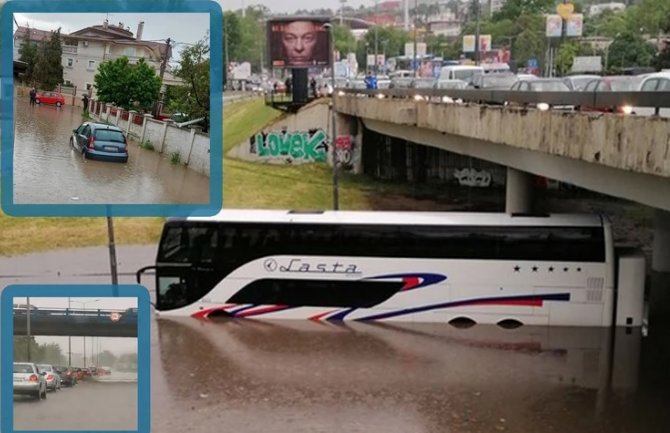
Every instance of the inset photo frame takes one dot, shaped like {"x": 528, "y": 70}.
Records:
{"x": 112, "y": 108}
{"x": 84, "y": 346}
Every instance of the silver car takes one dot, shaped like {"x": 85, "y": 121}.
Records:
{"x": 28, "y": 380}
{"x": 52, "y": 378}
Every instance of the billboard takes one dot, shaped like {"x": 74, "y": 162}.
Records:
{"x": 298, "y": 42}
{"x": 469, "y": 43}
{"x": 574, "y": 25}
{"x": 554, "y": 26}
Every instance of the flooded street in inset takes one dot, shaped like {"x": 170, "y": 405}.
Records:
{"x": 302, "y": 376}
{"x": 47, "y": 170}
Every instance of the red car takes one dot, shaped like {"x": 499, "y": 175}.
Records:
{"x": 52, "y": 98}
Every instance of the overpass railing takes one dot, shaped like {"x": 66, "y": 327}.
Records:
{"x": 601, "y": 100}
{"x": 69, "y": 312}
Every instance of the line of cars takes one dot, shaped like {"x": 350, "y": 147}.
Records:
{"x": 36, "y": 380}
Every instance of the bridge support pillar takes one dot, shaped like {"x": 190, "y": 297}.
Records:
{"x": 659, "y": 300}
{"x": 519, "y": 197}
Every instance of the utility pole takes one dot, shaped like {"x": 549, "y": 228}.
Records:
{"x": 69, "y": 338}
{"x": 477, "y": 32}
{"x": 333, "y": 140}
{"x": 112, "y": 251}
{"x": 166, "y": 57}
{"x": 28, "y": 329}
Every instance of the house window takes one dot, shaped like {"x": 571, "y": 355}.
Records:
{"x": 70, "y": 62}
{"x": 129, "y": 52}
{"x": 91, "y": 64}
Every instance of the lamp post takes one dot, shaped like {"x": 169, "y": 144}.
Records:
{"x": 84, "y": 307}
{"x": 376, "y": 38}
{"x": 416, "y": 69}
{"x": 336, "y": 191}
{"x": 69, "y": 339}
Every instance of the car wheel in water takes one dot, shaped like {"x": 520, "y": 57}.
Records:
{"x": 58, "y": 104}
{"x": 37, "y": 101}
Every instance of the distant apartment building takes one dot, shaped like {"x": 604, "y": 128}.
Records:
{"x": 445, "y": 24}
{"x": 600, "y": 8}
{"x": 85, "y": 49}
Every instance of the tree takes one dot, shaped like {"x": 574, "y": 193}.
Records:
{"x": 107, "y": 358}
{"x": 565, "y": 57}
{"x": 512, "y": 9}
{"x": 649, "y": 16}
{"x": 630, "y": 49}
{"x": 123, "y": 84}
{"x": 49, "y": 66}
{"x": 231, "y": 39}
{"x": 193, "y": 69}
{"x": 28, "y": 54}
{"x": 345, "y": 41}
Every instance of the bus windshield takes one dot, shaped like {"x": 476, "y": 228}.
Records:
{"x": 188, "y": 244}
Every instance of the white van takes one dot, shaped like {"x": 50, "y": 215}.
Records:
{"x": 658, "y": 82}
{"x": 460, "y": 72}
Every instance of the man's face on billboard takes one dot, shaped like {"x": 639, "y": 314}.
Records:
{"x": 299, "y": 39}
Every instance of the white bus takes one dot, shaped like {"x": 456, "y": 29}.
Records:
{"x": 465, "y": 268}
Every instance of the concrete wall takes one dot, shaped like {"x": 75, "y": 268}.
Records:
{"x": 630, "y": 143}
{"x": 621, "y": 156}
{"x": 302, "y": 138}
{"x": 191, "y": 146}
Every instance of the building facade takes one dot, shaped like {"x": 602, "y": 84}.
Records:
{"x": 86, "y": 49}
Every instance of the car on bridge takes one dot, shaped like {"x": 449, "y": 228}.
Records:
{"x": 100, "y": 141}
{"x": 578, "y": 82}
{"x": 52, "y": 377}
{"x": 543, "y": 85}
{"x": 621, "y": 83}
{"x": 658, "y": 82}
{"x": 494, "y": 81}
{"x": 28, "y": 380}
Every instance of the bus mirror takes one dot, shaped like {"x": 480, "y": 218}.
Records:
{"x": 138, "y": 274}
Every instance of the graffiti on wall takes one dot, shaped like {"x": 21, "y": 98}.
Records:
{"x": 473, "y": 178}
{"x": 344, "y": 149}
{"x": 306, "y": 146}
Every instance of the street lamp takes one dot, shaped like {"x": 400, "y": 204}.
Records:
{"x": 376, "y": 38}
{"x": 336, "y": 192}
{"x": 83, "y": 303}
{"x": 28, "y": 327}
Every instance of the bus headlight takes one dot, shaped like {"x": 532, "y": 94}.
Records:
{"x": 543, "y": 106}
{"x": 380, "y": 96}
{"x": 627, "y": 109}
{"x": 340, "y": 93}
{"x": 447, "y": 100}
{"x": 418, "y": 98}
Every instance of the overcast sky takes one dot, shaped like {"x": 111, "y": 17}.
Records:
{"x": 117, "y": 346}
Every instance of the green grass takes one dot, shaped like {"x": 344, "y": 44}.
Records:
{"x": 243, "y": 119}
{"x": 246, "y": 185}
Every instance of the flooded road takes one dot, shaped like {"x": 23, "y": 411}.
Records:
{"x": 47, "y": 170}
{"x": 301, "y": 376}
{"x": 86, "y": 406}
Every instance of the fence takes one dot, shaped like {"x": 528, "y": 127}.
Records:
{"x": 184, "y": 146}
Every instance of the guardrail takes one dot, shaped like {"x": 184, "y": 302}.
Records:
{"x": 500, "y": 97}
{"x": 72, "y": 312}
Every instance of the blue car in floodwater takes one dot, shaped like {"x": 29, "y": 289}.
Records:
{"x": 100, "y": 141}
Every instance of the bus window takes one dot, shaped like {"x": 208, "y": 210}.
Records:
{"x": 188, "y": 244}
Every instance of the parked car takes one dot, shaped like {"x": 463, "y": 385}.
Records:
{"x": 53, "y": 98}
{"x": 52, "y": 378}
{"x": 544, "y": 85}
{"x": 100, "y": 141}
{"x": 67, "y": 376}
{"x": 621, "y": 83}
{"x": 28, "y": 380}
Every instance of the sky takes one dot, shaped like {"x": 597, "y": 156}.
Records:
{"x": 292, "y": 5}
{"x": 117, "y": 346}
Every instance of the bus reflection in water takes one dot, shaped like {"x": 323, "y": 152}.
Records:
{"x": 424, "y": 362}
{"x": 460, "y": 268}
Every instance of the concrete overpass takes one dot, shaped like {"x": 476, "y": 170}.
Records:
{"x": 621, "y": 156}
{"x": 84, "y": 323}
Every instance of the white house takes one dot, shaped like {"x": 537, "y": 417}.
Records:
{"x": 85, "y": 49}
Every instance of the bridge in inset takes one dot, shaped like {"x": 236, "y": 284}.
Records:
{"x": 71, "y": 322}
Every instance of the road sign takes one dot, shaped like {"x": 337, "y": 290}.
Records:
{"x": 115, "y": 317}
{"x": 533, "y": 63}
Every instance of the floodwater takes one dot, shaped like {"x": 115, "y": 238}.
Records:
{"x": 302, "y": 376}
{"x": 47, "y": 170}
